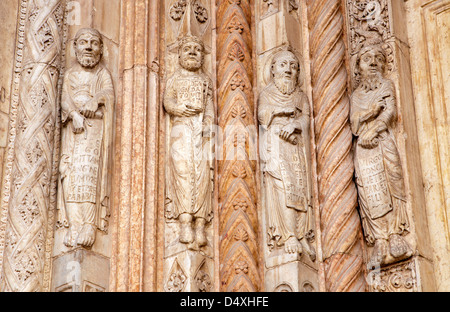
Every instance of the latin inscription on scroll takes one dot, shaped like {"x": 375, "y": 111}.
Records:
{"x": 294, "y": 184}
{"x": 83, "y": 181}
{"x": 374, "y": 180}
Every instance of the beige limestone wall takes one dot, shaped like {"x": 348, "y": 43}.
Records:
{"x": 428, "y": 26}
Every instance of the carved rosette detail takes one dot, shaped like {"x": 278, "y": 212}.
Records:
{"x": 238, "y": 218}
{"x": 178, "y": 9}
{"x": 29, "y": 199}
{"x": 339, "y": 219}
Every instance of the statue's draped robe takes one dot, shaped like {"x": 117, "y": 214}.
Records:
{"x": 379, "y": 174}
{"x": 86, "y": 155}
{"x": 189, "y": 164}
{"x": 286, "y": 166}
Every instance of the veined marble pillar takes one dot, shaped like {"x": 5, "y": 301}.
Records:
{"x": 133, "y": 258}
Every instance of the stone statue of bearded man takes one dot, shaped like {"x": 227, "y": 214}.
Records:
{"x": 86, "y": 138}
{"x": 379, "y": 175}
{"x": 189, "y": 103}
{"x": 284, "y": 116}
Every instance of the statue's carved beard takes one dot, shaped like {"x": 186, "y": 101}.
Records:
{"x": 371, "y": 81}
{"x": 88, "y": 61}
{"x": 191, "y": 64}
{"x": 285, "y": 85}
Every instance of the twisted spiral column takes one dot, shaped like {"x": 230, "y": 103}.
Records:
{"x": 339, "y": 219}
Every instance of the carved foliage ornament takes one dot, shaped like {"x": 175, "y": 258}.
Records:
{"x": 177, "y": 279}
{"x": 397, "y": 278}
{"x": 369, "y": 20}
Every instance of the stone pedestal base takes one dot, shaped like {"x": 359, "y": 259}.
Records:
{"x": 290, "y": 273}
{"x": 188, "y": 271}
{"x": 398, "y": 277}
{"x": 80, "y": 270}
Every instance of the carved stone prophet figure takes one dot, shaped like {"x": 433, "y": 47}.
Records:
{"x": 378, "y": 168}
{"x": 284, "y": 115}
{"x": 188, "y": 101}
{"x": 86, "y": 112}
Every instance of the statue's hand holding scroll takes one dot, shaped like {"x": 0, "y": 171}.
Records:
{"x": 369, "y": 138}
{"x": 78, "y": 122}
{"x": 90, "y": 108}
{"x": 287, "y": 131}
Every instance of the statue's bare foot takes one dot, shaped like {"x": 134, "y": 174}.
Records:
{"x": 200, "y": 236}
{"x": 308, "y": 249}
{"x": 398, "y": 247}
{"x": 68, "y": 238}
{"x": 186, "y": 233}
{"x": 86, "y": 237}
{"x": 292, "y": 245}
{"x": 200, "y": 233}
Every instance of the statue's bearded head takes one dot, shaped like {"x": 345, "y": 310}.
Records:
{"x": 191, "y": 53}
{"x": 371, "y": 63}
{"x": 285, "y": 71}
{"x": 88, "y": 46}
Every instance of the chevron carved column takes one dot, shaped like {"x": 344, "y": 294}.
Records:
{"x": 238, "y": 216}
{"x": 28, "y": 197}
{"x": 339, "y": 219}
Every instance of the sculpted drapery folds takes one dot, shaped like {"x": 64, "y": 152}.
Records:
{"x": 87, "y": 112}
{"x": 379, "y": 174}
{"x": 188, "y": 101}
{"x": 284, "y": 115}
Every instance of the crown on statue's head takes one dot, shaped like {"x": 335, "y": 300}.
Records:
{"x": 190, "y": 38}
